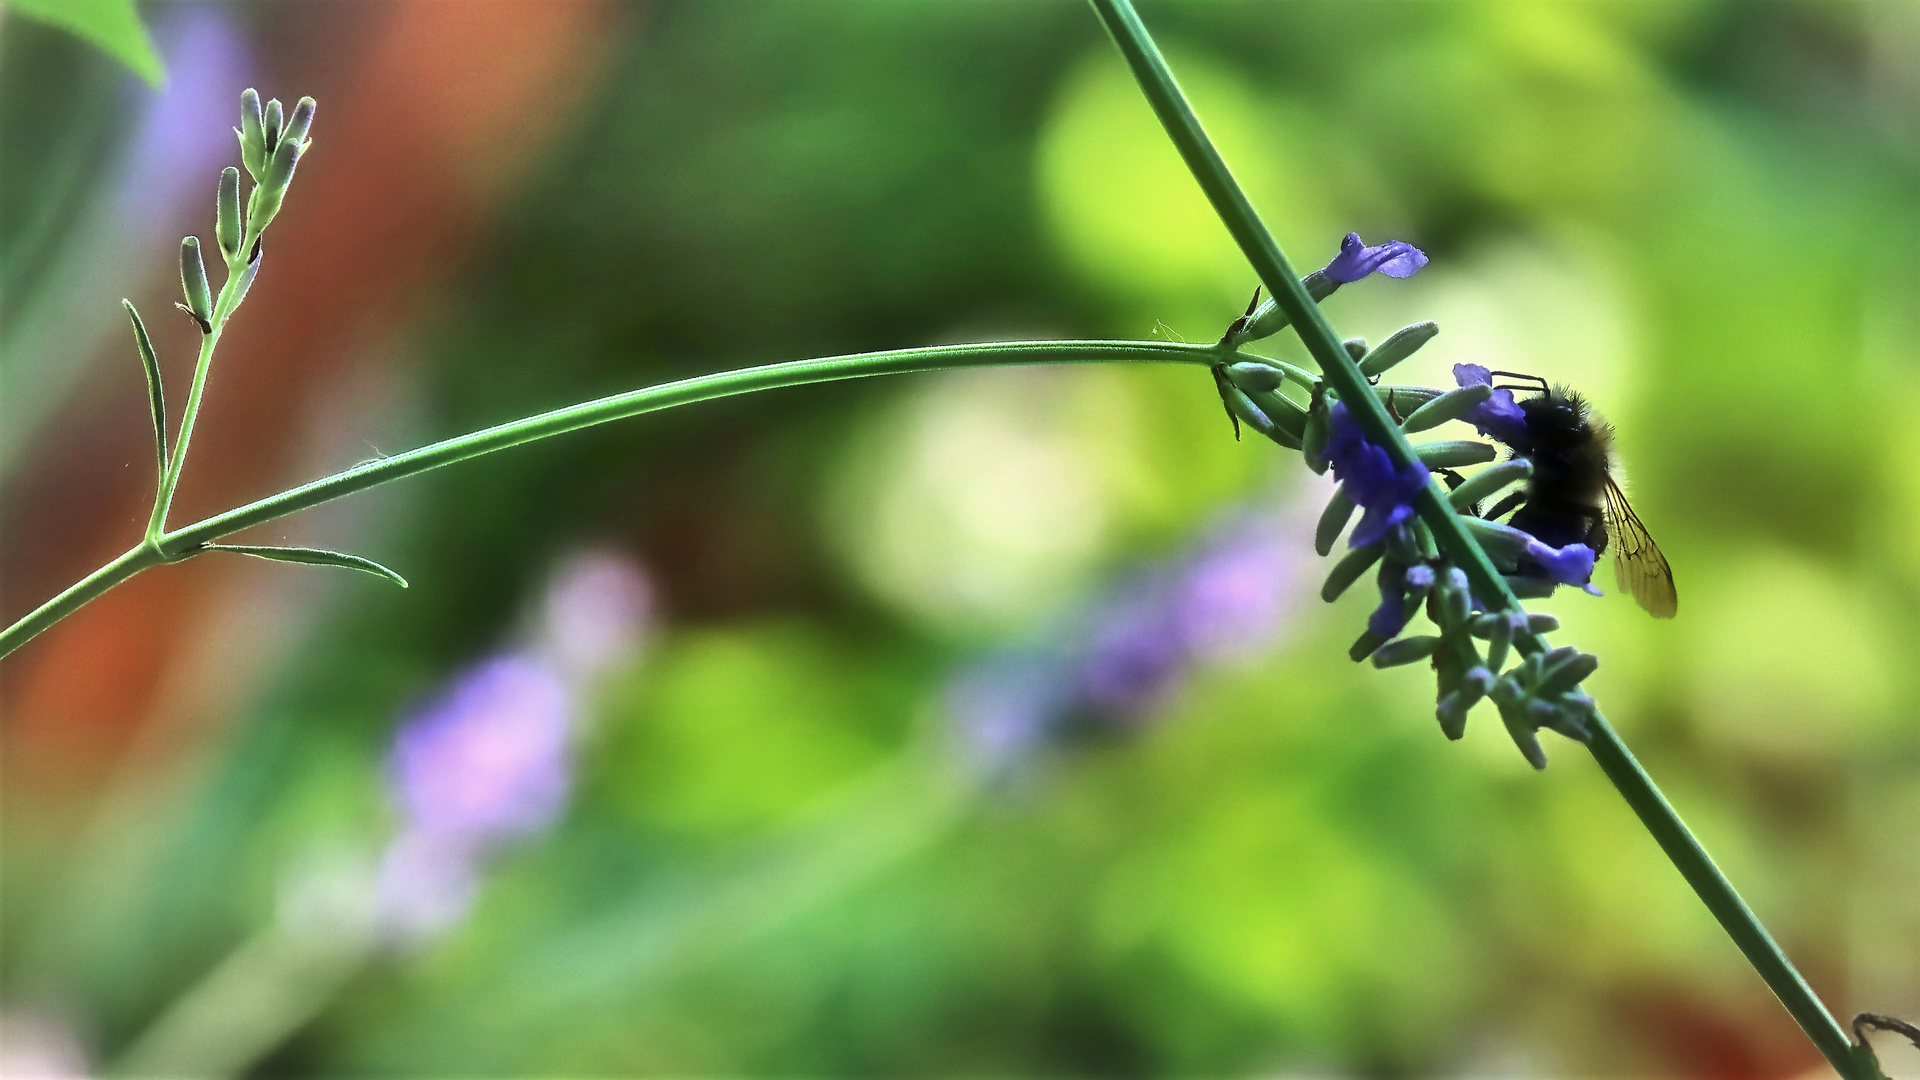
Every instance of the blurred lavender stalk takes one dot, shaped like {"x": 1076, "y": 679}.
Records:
{"x": 1105, "y": 669}
{"x": 1119, "y": 659}
{"x": 484, "y": 764}
{"x": 488, "y": 762}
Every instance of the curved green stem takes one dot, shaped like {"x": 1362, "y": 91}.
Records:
{"x": 1713, "y": 888}
{"x": 184, "y": 542}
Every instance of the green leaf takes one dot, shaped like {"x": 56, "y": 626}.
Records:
{"x": 113, "y": 25}
{"x": 313, "y": 556}
{"x": 155, "y": 397}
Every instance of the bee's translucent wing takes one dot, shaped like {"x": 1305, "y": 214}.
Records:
{"x": 1637, "y": 562}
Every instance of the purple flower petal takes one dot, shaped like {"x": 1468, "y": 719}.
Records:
{"x": 1395, "y": 258}
{"x": 1499, "y": 417}
{"x": 1570, "y": 565}
{"x": 1370, "y": 479}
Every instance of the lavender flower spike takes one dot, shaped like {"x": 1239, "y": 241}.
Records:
{"x": 1370, "y": 479}
{"x": 1498, "y": 417}
{"x": 1395, "y": 258}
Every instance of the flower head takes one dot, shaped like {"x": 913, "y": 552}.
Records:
{"x": 1499, "y": 417}
{"x": 1370, "y": 479}
{"x": 1395, "y": 258}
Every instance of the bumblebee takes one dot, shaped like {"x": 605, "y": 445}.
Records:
{"x": 1573, "y": 497}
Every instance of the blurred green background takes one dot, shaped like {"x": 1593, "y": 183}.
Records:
{"x": 788, "y": 845}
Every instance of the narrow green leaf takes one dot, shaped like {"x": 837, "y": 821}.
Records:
{"x": 155, "y": 396}
{"x": 113, "y": 25}
{"x": 314, "y": 556}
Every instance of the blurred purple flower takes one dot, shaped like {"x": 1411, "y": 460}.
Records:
{"x": 483, "y": 764}
{"x": 487, "y": 761}
{"x": 1135, "y": 650}
{"x": 1395, "y": 258}
{"x": 1498, "y": 417}
{"x": 1370, "y": 479}
{"x": 1009, "y": 701}
{"x": 1234, "y": 592}
{"x": 597, "y": 611}
{"x": 1131, "y": 648}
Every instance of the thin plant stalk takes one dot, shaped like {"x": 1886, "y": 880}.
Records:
{"x": 1343, "y": 374}
{"x": 190, "y": 540}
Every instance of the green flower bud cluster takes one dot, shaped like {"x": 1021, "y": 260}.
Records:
{"x": 270, "y": 148}
{"x": 1541, "y": 690}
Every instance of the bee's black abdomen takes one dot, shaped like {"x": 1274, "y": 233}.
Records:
{"x": 1569, "y": 451}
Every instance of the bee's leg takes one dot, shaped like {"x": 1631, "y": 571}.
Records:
{"x": 1506, "y": 506}
{"x": 1452, "y": 478}
{"x": 1597, "y": 530}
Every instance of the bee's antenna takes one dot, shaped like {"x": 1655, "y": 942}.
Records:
{"x": 1530, "y": 382}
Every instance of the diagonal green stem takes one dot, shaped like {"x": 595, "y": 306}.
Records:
{"x": 1713, "y": 888}
{"x": 187, "y": 541}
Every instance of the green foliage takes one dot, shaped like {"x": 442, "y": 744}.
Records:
{"x": 113, "y": 25}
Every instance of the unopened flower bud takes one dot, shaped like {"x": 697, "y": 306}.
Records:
{"x": 253, "y": 135}
{"x": 1489, "y": 480}
{"x": 1402, "y": 344}
{"x": 1562, "y": 675}
{"x": 1453, "y": 453}
{"x": 1314, "y": 437}
{"x": 1452, "y": 709}
{"x": 193, "y": 282}
{"x": 1448, "y": 406}
{"x": 1455, "y": 600}
{"x": 1248, "y": 375}
{"x": 272, "y": 190}
{"x": 1268, "y": 319}
{"x": 271, "y": 124}
{"x": 1348, "y": 570}
{"x": 1521, "y": 731}
{"x": 226, "y": 228}
{"x": 1332, "y": 520}
{"x": 299, "y": 122}
{"x": 1289, "y": 418}
{"x": 1499, "y": 640}
{"x": 1356, "y": 348}
{"x": 1405, "y": 651}
{"x": 1364, "y": 646}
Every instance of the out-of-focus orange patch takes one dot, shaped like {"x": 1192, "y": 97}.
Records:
{"x": 428, "y": 112}
{"x": 89, "y": 682}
